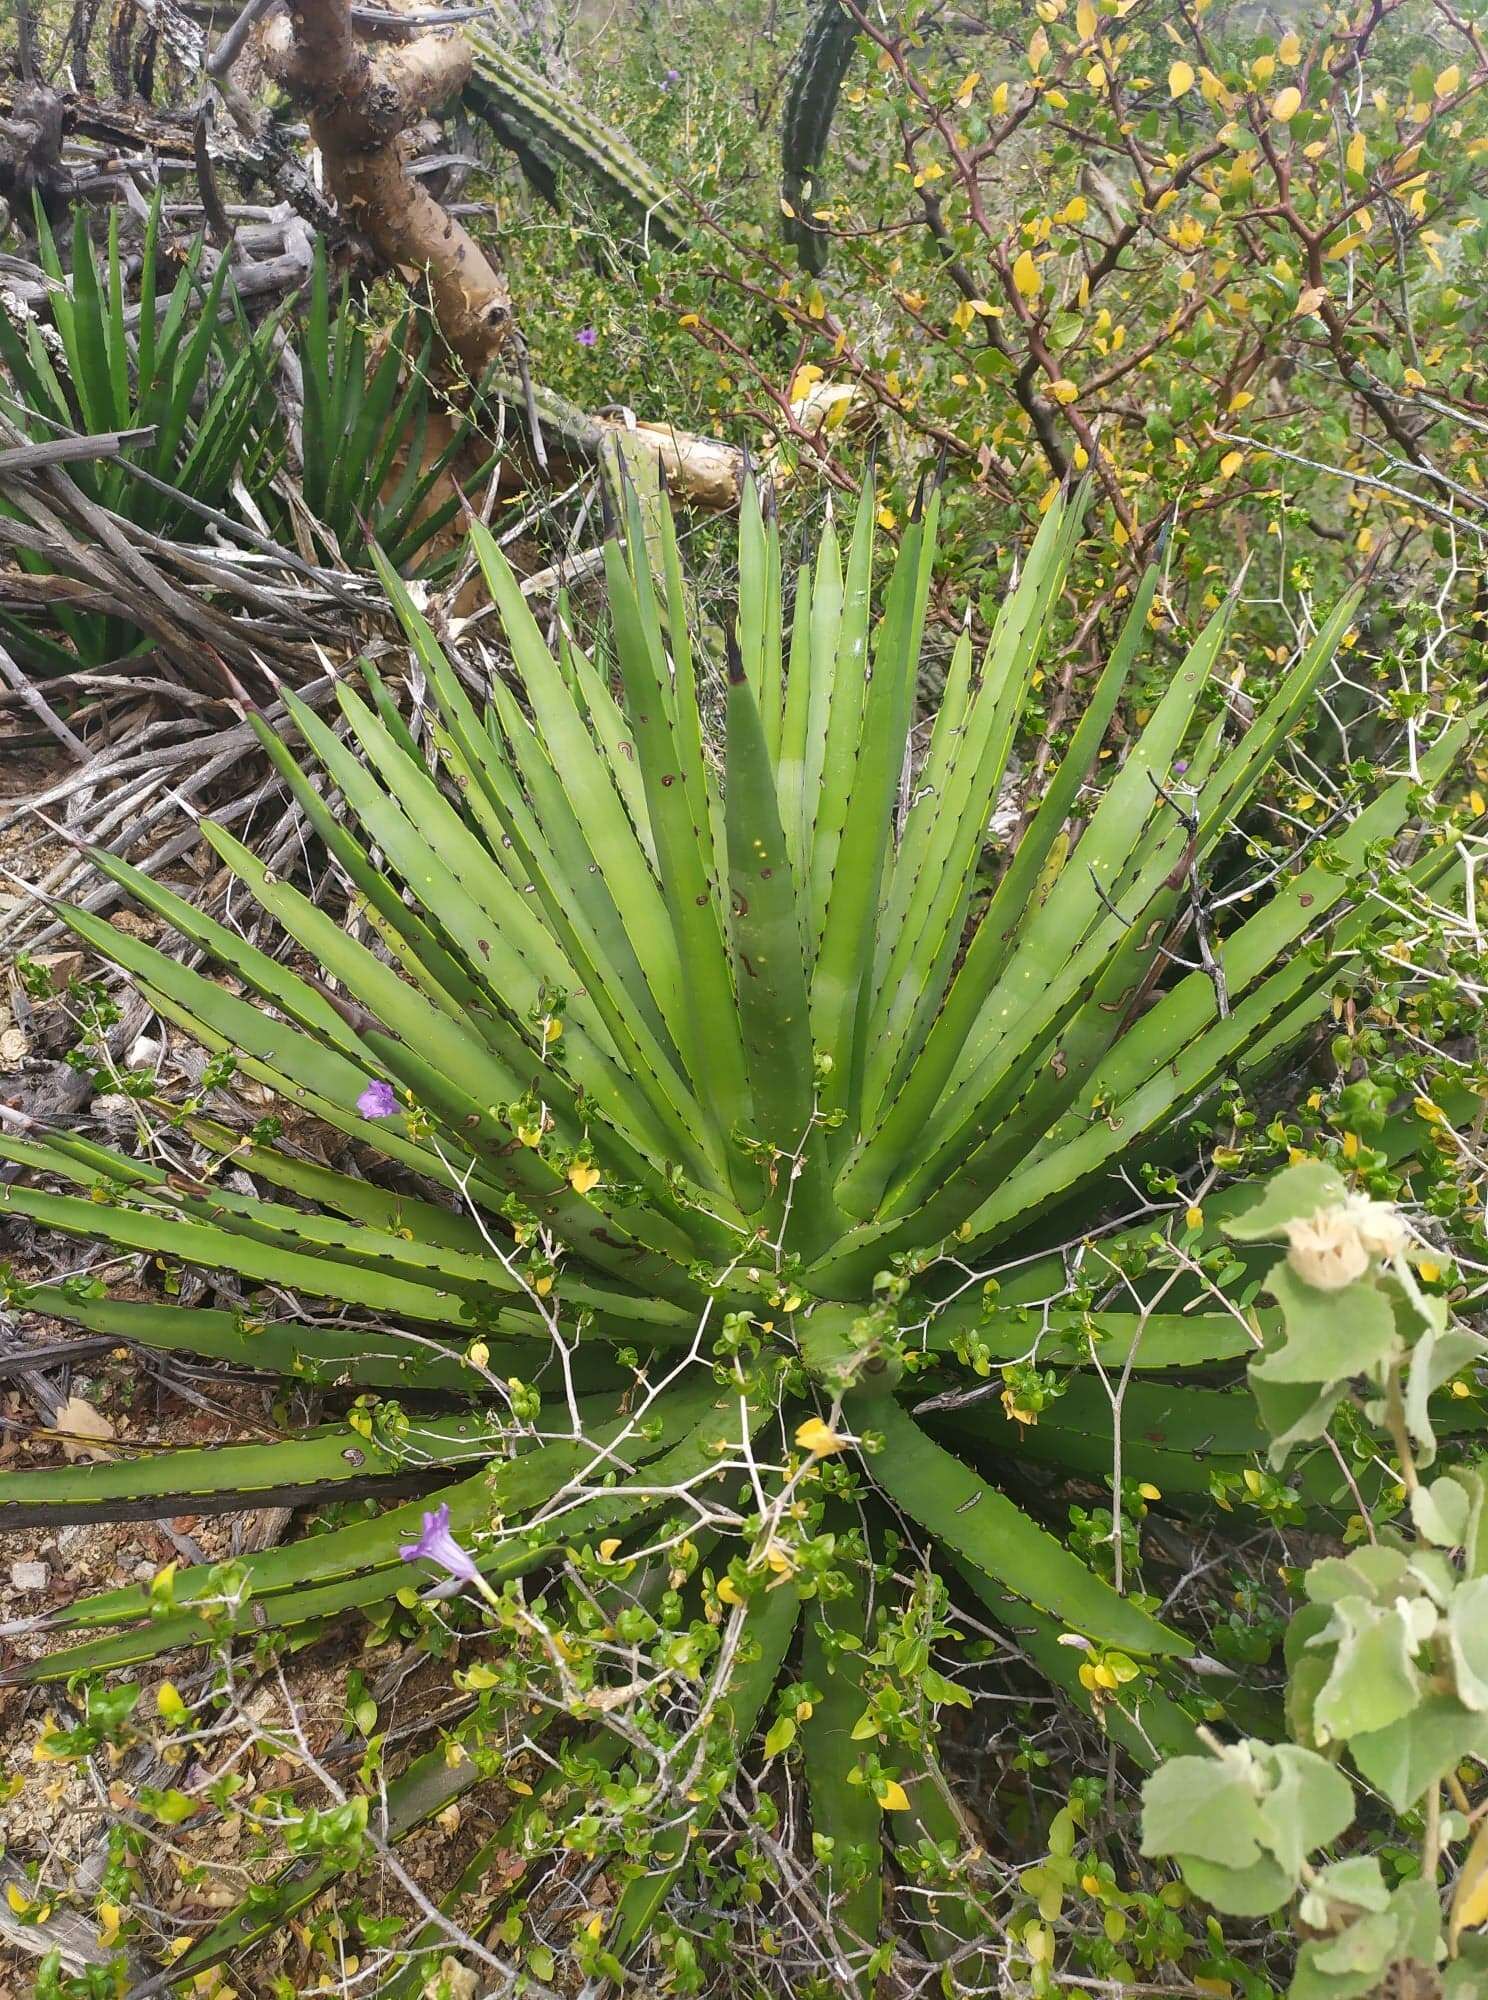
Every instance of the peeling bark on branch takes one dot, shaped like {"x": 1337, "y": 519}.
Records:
{"x": 360, "y": 107}
{"x": 359, "y": 110}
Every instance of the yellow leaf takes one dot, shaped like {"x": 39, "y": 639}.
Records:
{"x": 1308, "y": 301}
{"x": 819, "y": 1438}
{"x": 893, "y": 1797}
{"x": 21, "y": 1903}
{"x": 608, "y": 1547}
{"x": 582, "y": 1176}
{"x": 1354, "y": 157}
{"x": 968, "y": 84}
{"x": 1148, "y": 1491}
{"x": 1470, "y": 1898}
{"x": 999, "y": 100}
{"x": 1075, "y": 209}
{"x": 1231, "y": 463}
{"x": 727, "y": 1593}
{"x": 1286, "y": 104}
{"x": 1448, "y": 80}
{"x": 1026, "y": 279}
{"x": 1085, "y": 20}
{"x": 1180, "y": 79}
{"x": 1289, "y": 48}
{"x": 1064, "y": 391}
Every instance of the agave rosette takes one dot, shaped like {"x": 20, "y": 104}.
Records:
{"x": 718, "y": 1080}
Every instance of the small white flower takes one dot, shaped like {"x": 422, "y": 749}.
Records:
{"x": 1326, "y": 1250}
{"x": 1381, "y": 1228}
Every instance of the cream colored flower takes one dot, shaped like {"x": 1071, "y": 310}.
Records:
{"x": 1381, "y": 1229}
{"x": 1326, "y": 1250}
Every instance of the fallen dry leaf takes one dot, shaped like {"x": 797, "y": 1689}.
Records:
{"x": 77, "y": 1420}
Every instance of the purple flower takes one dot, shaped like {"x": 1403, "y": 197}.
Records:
{"x": 437, "y": 1545}
{"x": 1181, "y": 766}
{"x": 378, "y": 1101}
{"x": 673, "y": 76}
{"x": 587, "y": 337}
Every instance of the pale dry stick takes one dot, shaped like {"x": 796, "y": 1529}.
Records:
{"x": 40, "y": 708}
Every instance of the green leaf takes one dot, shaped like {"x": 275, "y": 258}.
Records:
{"x": 1296, "y": 1192}
{"x": 1408, "y": 1756}
{"x": 1239, "y": 1892}
{"x": 1329, "y": 1335}
{"x": 780, "y": 1735}
{"x": 1467, "y": 1637}
{"x": 1374, "y": 1681}
{"x": 1205, "y": 1808}
{"x": 996, "y": 1537}
{"x": 847, "y": 1814}
{"x": 1308, "y": 1805}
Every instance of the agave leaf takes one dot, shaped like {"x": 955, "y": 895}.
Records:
{"x": 765, "y": 935}
{"x": 839, "y": 991}
{"x": 951, "y": 1921}
{"x": 592, "y": 790}
{"x": 847, "y": 1814}
{"x": 1123, "y": 1337}
{"x": 768, "y": 1622}
{"x": 1175, "y": 1437}
{"x": 919, "y": 1086}
{"x": 1146, "y": 1723}
{"x": 985, "y": 1529}
{"x": 933, "y": 875}
{"x": 351, "y": 1567}
{"x": 714, "y": 1049}
{"x": 840, "y": 612}
{"x": 331, "y": 1355}
{"x": 335, "y": 1462}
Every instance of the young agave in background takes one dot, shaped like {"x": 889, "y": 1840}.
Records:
{"x": 711, "y": 1089}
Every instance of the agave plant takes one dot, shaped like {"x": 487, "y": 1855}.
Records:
{"x": 366, "y": 470}
{"x": 190, "y": 375}
{"x": 718, "y": 1087}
